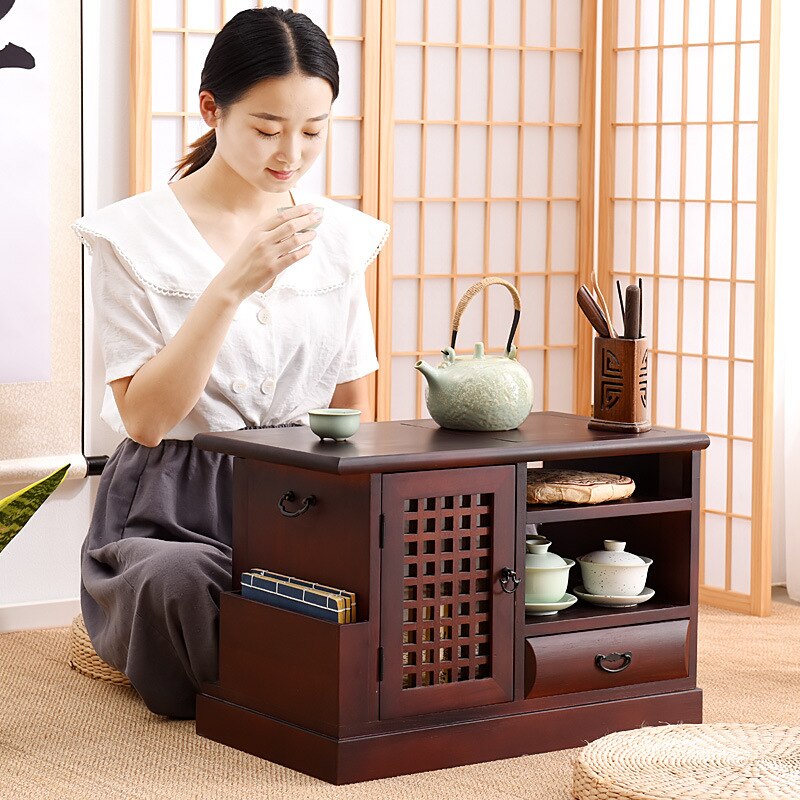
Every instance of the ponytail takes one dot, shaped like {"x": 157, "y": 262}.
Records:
{"x": 200, "y": 153}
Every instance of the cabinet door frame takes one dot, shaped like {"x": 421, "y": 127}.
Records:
{"x": 498, "y": 686}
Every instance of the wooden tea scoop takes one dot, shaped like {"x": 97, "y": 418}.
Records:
{"x": 606, "y": 313}
{"x": 592, "y": 311}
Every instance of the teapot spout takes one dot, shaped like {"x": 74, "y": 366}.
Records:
{"x": 431, "y": 374}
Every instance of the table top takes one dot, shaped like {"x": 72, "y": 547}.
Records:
{"x": 422, "y": 444}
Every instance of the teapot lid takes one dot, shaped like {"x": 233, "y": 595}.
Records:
{"x": 613, "y": 553}
{"x": 538, "y": 557}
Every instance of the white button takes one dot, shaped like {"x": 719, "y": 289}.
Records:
{"x": 239, "y": 386}
{"x": 263, "y": 316}
{"x": 268, "y": 386}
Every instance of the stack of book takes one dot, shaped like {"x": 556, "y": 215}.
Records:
{"x": 295, "y": 594}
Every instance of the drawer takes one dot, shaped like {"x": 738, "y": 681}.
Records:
{"x": 566, "y": 663}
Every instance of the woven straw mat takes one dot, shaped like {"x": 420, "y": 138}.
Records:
{"x": 692, "y": 762}
{"x": 83, "y": 658}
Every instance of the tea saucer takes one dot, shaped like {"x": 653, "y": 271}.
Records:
{"x": 612, "y": 600}
{"x": 541, "y": 609}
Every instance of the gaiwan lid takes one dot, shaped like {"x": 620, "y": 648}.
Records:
{"x": 613, "y": 553}
{"x": 537, "y": 556}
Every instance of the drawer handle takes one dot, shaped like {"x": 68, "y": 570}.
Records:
{"x": 507, "y": 575}
{"x": 600, "y": 658}
{"x": 288, "y": 497}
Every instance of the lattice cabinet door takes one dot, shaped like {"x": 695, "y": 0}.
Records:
{"x": 446, "y": 623}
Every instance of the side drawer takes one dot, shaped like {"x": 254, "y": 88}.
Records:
{"x": 300, "y": 669}
{"x": 566, "y": 663}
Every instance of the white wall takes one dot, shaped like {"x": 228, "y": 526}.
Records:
{"x": 39, "y": 570}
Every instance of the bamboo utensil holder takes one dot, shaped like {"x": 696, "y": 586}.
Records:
{"x": 621, "y": 392}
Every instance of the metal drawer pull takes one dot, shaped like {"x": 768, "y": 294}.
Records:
{"x": 288, "y": 497}
{"x": 507, "y": 575}
{"x": 600, "y": 658}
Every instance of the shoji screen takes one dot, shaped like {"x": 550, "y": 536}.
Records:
{"x": 685, "y": 203}
{"x": 486, "y": 159}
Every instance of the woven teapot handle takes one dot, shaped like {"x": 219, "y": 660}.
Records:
{"x": 475, "y": 289}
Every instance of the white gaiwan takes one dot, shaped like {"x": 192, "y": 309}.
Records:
{"x": 612, "y": 571}
{"x": 546, "y": 573}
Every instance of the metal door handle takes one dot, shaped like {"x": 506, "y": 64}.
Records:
{"x": 600, "y": 658}
{"x": 507, "y": 575}
{"x": 288, "y": 497}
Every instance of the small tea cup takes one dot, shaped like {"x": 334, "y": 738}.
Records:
{"x": 334, "y": 423}
{"x": 313, "y": 224}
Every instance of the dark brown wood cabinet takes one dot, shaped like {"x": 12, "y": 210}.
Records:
{"x": 442, "y": 666}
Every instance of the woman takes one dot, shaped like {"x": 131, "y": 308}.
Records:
{"x": 216, "y": 312}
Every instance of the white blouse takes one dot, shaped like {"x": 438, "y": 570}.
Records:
{"x": 286, "y": 349}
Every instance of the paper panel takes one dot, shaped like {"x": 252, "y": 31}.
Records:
{"x": 438, "y": 238}
{"x": 407, "y": 156}
{"x": 724, "y": 74}
{"x": 562, "y": 305}
{"x": 472, "y": 161}
{"x": 626, "y": 23}
{"x": 534, "y": 236}
{"x": 439, "y": 172}
{"x": 698, "y": 21}
{"x": 505, "y": 86}
{"x": 742, "y": 477}
{"x": 646, "y": 171}
{"x": 441, "y": 83}
{"x": 694, "y": 239}
{"x": 203, "y": 14}
{"x": 408, "y": 83}
{"x": 531, "y": 318}
{"x": 691, "y": 393}
{"x": 668, "y": 314}
{"x": 645, "y": 237}
{"x": 725, "y": 22}
{"x": 623, "y": 165}
{"x": 717, "y": 396}
{"x": 533, "y": 361}
{"x": 535, "y": 162}
{"x": 404, "y": 315}
{"x": 167, "y": 14}
{"x": 475, "y": 21}
{"x": 506, "y": 23}
{"x": 693, "y": 316}
{"x": 648, "y": 26}
{"x": 568, "y": 27}
{"x": 745, "y": 242}
{"x": 501, "y": 314}
{"x": 743, "y": 399}
{"x": 568, "y": 87}
{"x": 696, "y": 162}
{"x": 442, "y": 21}
{"x": 561, "y": 387}
{"x": 195, "y": 128}
{"x": 167, "y": 148}
{"x": 405, "y": 238}
{"x": 474, "y": 84}
{"x": 537, "y": 23}
{"x": 719, "y": 309}
{"x": 565, "y": 162}
{"x": 315, "y": 180}
{"x": 748, "y": 82}
{"x": 673, "y": 23}
{"x": 348, "y": 103}
{"x": 715, "y": 539}
{"x": 741, "y": 543}
{"x": 471, "y": 328}
{"x": 648, "y": 85}
{"x": 668, "y": 239}
{"x": 563, "y": 243}
{"x": 672, "y": 85}
{"x": 751, "y": 19}
{"x": 404, "y": 387}
{"x": 670, "y": 162}
{"x": 745, "y": 320}
{"x": 471, "y": 218}
{"x": 408, "y": 21}
{"x": 437, "y": 316}
{"x": 167, "y": 79}
{"x": 720, "y": 240}
{"x": 625, "y": 87}
{"x": 621, "y": 255}
{"x": 665, "y": 388}
{"x": 716, "y": 464}
{"x": 502, "y": 237}
{"x": 347, "y": 18}
{"x": 346, "y": 169}
{"x": 504, "y": 162}
{"x": 537, "y": 86}
{"x": 721, "y": 161}
{"x": 697, "y": 88}
{"x": 748, "y": 162}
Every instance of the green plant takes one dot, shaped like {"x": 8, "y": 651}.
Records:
{"x": 18, "y": 508}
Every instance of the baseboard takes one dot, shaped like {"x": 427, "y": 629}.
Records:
{"x": 47, "y": 614}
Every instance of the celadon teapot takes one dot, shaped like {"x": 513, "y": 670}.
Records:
{"x": 479, "y": 392}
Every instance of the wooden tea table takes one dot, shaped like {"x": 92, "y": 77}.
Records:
{"x": 442, "y": 666}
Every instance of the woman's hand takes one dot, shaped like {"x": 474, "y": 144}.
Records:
{"x": 265, "y": 251}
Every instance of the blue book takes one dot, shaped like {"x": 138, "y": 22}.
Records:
{"x": 349, "y": 596}
{"x": 293, "y": 597}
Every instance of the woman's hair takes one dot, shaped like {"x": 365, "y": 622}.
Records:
{"x": 253, "y": 45}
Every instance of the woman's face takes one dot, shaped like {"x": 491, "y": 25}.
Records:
{"x": 279, "y": 126}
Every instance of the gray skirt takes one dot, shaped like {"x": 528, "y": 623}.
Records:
{"x": 155, "y": 559}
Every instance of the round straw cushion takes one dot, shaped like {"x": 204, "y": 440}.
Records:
{"x": 574, "y": 486}
{"x": 84, "y": 659}
{"x": 691, "y": 762}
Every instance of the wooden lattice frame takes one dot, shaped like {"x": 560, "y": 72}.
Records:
{"x": 758, "y": 599}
